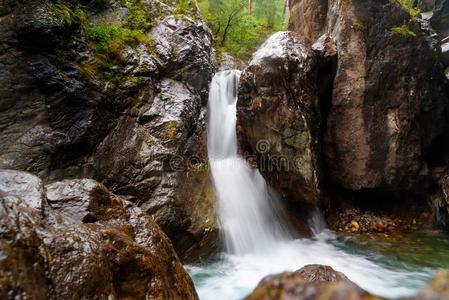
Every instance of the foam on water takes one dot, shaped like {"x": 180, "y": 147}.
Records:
{"x": 235, "y": 276}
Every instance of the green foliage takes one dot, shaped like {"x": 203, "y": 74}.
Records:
{"x": 139, "y": 15}
{"x": 270, "y": 11}
{"x": 108, "y": 40}
{"x": 69, "y": 14}
{"x": 403, "y": 30}
{"x": 408, "y": 6}
{"x": 182, "y": 7}
{"x": 106, "y": 34}
{"x": 237, "y": 28}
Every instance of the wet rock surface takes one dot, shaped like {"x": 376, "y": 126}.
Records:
{"x": 309, "y": 282}
{"x": 440, "y": 18}
{"x": 387, "y": 108}
{"x": 56, "y": 253}
{"x": 278, "y": 116}
{"x": 125, "y": 118}
{"x": 322, "y": 282}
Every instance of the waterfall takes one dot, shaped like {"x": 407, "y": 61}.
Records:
{"x": 257, "y": 242}
{"x": 246, "y": 208}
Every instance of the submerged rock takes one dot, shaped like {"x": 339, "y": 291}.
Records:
{"x": 278, "y": 116}
{"x": 55, "y": 253}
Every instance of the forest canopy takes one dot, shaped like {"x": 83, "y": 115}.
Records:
{"x": 239, "y": 26}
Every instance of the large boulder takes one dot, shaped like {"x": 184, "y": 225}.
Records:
{"x": 59, "y": 253}
{"x": 157, "y": 158}
{"x": 323, "y": 283}
{"x": 279, "y": 118}
{"x": 310, "y": 282}
{"x": 389, "y": 99}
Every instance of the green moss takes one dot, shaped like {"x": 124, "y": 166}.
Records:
{"x": 403, "y": 30}
{"x": 358, "y": 26}
{"x": 139, "y": 15}
{"x": 408, "y": 6}
{"x": 109, "y": 40}
{"x": 182, "y": 8}
{"x": 69, "y": 14}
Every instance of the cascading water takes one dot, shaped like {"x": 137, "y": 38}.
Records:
{"x": 247, "y": 218}
{"x": 256, "y": 242}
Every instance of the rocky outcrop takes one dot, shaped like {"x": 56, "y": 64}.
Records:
{"x": 322, "y": 282}
{"x": 440, "y": 18}
{"x": 83, "y": 243}
{"x": 100, "y": 90}
{"x": 279, "y": 118}
{"x": 389, "y": 99}
{"x": 310, "y": 282}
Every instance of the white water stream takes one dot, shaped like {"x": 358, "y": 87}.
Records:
{"x": 256, "y": 242}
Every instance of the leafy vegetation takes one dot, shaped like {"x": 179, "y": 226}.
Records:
{"x": 139, "y": 15}
{"x": 239, "y": 26}
{"x": 403, "y": 30}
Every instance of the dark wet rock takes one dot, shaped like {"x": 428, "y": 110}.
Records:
{"x": 50, "y": 254}
{"x": 68, "y": 111}
{"x": 150, "y": 159}
{"x": 425, "y": 5}
{"x": 310, "y": 282}
{"x": 388, "y": 104}
{"x": 278, "y": 116}
{"x": 85, "y": 200}
{"x": 440, "y": 18}
{"x": 184, "y": 49}
{"x": 441, "y": 202}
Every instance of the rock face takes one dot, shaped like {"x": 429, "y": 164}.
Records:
{"x": 103, "y": 248}
{"x": 310, "y": 282}
{"x": 279, "y": 118}
{"x": 440, "y": 18}
{"x": 130, "y": 116}
{"x": 389, "y": 98}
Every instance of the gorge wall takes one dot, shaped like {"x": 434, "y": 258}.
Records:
{"x": 114, "y": 91}
{"x": 373, "y": 73}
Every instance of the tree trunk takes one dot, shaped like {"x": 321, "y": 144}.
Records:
{"x": 286, "y": 6}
